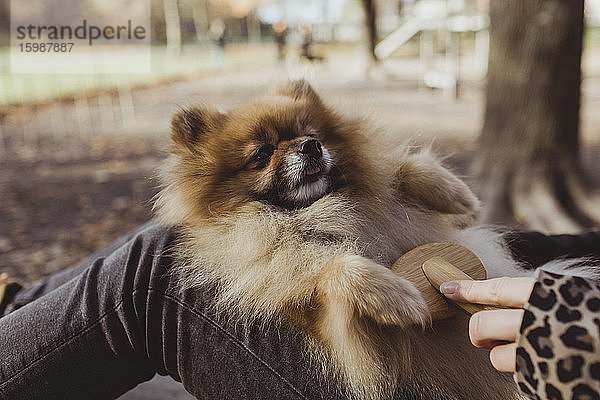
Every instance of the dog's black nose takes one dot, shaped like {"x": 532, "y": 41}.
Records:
{"x": 311, "y": 148}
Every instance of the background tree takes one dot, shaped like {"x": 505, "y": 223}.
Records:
{"x": 4, "y": 23}
{"x": 527, "y": 164}
{"x": 172, "y": 26}
{"x": 370, "y": 10}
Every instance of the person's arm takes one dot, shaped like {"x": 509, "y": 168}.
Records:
{"x": 534, "y": 249}
{"x": 551, "y": 336}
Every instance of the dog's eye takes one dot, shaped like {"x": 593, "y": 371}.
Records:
{"x": 264, "y": 153}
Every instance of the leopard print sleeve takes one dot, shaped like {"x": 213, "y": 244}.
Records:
{"x": 558, "y": 348}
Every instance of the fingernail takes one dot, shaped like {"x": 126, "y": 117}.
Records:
{"x": 449, "y": 288}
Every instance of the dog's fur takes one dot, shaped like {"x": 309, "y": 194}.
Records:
{"x": 306, "y": 236}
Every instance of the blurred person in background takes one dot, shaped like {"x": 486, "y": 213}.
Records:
{"x": 216, "y": 34}
{"x": 280, "y": 29}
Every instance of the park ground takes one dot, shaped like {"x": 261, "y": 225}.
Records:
{"x": 70, "y": 184}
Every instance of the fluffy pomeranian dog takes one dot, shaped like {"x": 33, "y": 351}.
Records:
{"x": 296, "y": 214}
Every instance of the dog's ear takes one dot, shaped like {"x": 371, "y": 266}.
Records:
{"x": 422, "y": 181}
{"x": 190, "y": 125}
{"x": 298, "y": 90}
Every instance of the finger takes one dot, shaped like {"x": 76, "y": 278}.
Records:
{"x": 504, "y": 357}
{"x": 487, "y": 328}
{"x": 510, "y": 292}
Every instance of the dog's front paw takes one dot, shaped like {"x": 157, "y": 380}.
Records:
{"x": 421, "y": 180}
{"x": 361, "y": 286}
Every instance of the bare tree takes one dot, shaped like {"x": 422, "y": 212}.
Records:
{"x": 201, "y": 18}
{"x": 4, "y": 23}
{"x": 370, "y": 10}
{"x": 527, "y": 165}
{"x": 172, "y": 26}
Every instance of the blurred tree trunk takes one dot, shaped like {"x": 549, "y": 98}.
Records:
{"x": 253, "y": 24}
{"x": 4, "y": 23}
{"x": 370, "y": 10}
{"x": 201, "y": 19}
{"x": 527, "y": 164}
{"x": 172, "y": 27}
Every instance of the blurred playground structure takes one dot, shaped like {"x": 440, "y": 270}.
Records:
{"x": 434, "y": 22}
{"x": 440, "y": 44}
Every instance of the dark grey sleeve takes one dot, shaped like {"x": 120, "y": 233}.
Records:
{"x": 534, "y": 249}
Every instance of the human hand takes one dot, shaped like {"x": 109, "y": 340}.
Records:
{"x": 495, "y": 330}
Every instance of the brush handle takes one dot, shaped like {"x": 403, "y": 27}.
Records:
{"x": 438, "y": 270}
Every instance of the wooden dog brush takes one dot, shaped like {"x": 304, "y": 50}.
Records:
{"x": 430, "y": 265}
